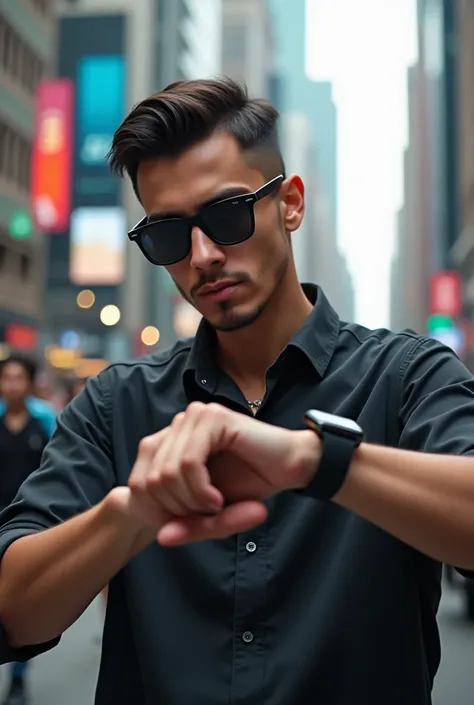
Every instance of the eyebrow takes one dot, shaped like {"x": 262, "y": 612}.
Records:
{"x": 220, "y": 196}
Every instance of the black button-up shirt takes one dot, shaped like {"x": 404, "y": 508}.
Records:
{"x": 316, "y": 605}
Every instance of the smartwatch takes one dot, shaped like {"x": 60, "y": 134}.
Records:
{"x": 339, "y": 437}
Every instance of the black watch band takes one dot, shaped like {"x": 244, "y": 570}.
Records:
{"x": 337, "y": 452}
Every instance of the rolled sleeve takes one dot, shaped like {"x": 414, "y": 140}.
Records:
{"x": 437, "y": 402}
{"x": 76, "y": 473}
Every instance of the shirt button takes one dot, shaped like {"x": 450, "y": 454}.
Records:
{"x": 251, "y": 547}
{"x": 247, "y": 637}
{"x": 204, "y": 381}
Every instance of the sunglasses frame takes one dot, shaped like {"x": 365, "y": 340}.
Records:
{"x": 136, "y": 233}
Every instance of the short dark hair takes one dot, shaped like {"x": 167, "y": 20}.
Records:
{"x": 186, "y": 112}
{"x": 27, "y": 363}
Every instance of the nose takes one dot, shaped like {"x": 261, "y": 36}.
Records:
{"x": 205, "y": 254}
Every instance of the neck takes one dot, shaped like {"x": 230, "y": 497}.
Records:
{"x": 246, "y": 354}
{"x": 15, "y": 408}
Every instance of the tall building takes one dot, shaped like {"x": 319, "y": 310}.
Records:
{"x": 202, "y": 59}
{"x": 463, "y": 250}
{"x": 397, "y": 310}
{"x": 27, "y": 38}
{"x": 428, "y": 288}
{"x": 436, "y": 142}
{"x": 247, "y": 44}
{"x": 309, "y": 120}
{"x": 411, "y": 265}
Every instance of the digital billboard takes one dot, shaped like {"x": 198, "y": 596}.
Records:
{"x": 52, "y": 156}
{"x": 97, "y": 246}
{"x": 100, "y": 105}
{"x": 92, "y": 54}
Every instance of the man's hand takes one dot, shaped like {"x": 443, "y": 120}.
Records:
{"x": 205, "y": 476}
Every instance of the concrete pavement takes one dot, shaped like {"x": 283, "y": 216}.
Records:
{"x": 455, "y": 682}
{"x": 67, "y": 675}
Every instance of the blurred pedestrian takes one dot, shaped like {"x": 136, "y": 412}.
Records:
{"x": 24, "y": 432}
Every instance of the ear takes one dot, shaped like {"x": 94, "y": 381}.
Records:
{"x": 292, "y": 202}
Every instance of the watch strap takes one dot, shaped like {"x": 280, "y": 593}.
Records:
{"x": 336, "y": 456}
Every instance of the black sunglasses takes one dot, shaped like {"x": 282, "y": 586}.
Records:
{"x": 227, "y": 222}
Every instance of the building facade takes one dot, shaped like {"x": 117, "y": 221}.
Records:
{"x": 411, "y": 267}
{"x": 463, "y": 250}
{"x": 428, "y": 287}
{"x": 309, "y": 143}
{"x": 247, "y": 44}
{"x": 202, "y": 59}
{"x": 27, "y": 42}
{"x": 438, "y": 62}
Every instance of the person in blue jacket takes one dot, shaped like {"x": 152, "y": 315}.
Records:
{"x": 26, "y": 424}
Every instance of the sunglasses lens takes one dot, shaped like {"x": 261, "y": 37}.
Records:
{"x": 166, "y": 241}
{"x": 229, "y": 223}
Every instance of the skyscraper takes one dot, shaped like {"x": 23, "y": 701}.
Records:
{"x": 309, "y": 141}
{"x": 27, "y": 37}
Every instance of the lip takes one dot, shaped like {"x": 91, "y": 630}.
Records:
{"x": 218, "y": 291}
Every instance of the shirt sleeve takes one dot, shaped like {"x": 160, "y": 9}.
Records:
{"x": 437, "y": 402}
{"x": 76, "y": 473}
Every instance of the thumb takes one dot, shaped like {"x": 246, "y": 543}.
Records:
{"x": 233, "y": 519}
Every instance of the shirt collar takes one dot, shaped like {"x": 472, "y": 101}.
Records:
{"x": 318, "y": 335}
{"x": 316, "y": 338}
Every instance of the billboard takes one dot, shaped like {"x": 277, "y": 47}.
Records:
{"x": 100, "y": 105}
{"x": 52, "y": 156}
{"x": 97, "y": 246}
{"x": 445, "y": 293}
{"x": 92, "y": 54}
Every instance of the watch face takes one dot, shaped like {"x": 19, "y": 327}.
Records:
{"x": 322, "y": 422}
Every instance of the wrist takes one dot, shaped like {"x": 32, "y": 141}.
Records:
{"x": 309, "y": 455}
{"x": 115, "y": 509}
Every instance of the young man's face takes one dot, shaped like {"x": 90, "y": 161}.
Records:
{"x": 212, "y": 170}
{"x": 15, "y": 383}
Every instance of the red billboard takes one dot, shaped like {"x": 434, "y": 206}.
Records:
{"x": 21, "y": 337}
{"x": 52, "y": 156}
{"x": 445, "y": 293}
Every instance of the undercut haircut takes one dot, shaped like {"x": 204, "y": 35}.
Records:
{"x": 188, "y": 112}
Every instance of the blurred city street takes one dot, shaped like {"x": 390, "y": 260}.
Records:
{"x": 68, "y": 674}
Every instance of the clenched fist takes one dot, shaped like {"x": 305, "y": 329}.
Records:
{"x": 206, "y": 474}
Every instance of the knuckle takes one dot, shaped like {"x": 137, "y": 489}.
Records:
{"x": 146, "y": 445}
{"x": 195, "y": 408}
{"x": 135, "y": 484}
{"x": 187, "y": 462}
{"x": 178, "y": 419}
{"x": 166, "y": 474}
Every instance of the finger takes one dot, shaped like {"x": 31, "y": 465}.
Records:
{"x": 176, "y": 479}
{"x": 146, "y": 451}
{"x": 232, "y": 520}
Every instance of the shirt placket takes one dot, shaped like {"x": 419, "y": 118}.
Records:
{"x": 249, "y": 647}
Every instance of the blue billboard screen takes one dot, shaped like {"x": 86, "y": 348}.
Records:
{"x": 100, "y": 105}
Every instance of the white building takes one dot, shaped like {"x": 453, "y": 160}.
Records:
{"x": 247, "y": 46}
{"x": 202, "y": 31}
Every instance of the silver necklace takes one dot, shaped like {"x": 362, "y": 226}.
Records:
{"x": 255, "y": 404}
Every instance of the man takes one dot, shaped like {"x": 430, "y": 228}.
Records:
{"x": 253, "y": 556}
{"x": 23, "y": 438}
{"x": 39, "y": 409}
